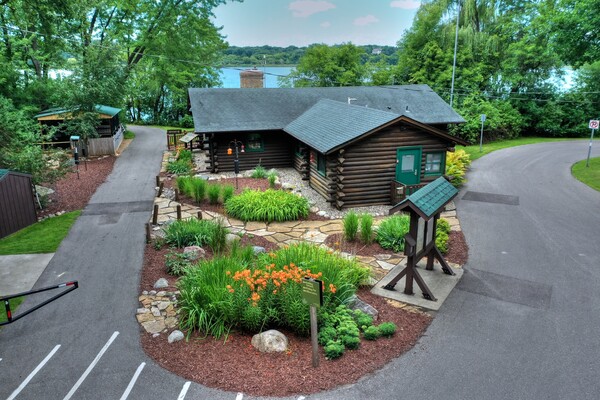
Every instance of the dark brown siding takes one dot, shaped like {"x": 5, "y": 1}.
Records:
{"x": 17, "y": 208}
{"x": 370, "y": 165}
{"x": 321, "y": 184}
{"x": 278, "y": 149}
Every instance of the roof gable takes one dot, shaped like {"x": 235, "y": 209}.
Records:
{"x": 329, "y": 124}
{"x": 235, "y": 110}
{"x": 429, "y": 200}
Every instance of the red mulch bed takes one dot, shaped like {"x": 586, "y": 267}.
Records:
{"x": 71, "y": 193}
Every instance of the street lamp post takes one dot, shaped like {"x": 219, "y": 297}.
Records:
{"x": 455, "y": 49}
{"x": 239, "y": 148}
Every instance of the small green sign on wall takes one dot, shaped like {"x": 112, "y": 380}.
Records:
{"x": 312, "y": 292}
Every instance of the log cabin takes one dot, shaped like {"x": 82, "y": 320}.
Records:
{"x": 357, "y": 146}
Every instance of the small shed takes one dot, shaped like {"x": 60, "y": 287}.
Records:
{"x": 110, "y": 130}
{"x": 17, "y": 205}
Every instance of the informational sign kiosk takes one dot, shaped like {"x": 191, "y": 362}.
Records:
{"x": 424, "y": 207}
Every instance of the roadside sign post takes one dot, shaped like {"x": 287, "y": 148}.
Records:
{"x": 312, "y": 294}
{"x": 594, "y": 124}
{"x": 481, "y": 135}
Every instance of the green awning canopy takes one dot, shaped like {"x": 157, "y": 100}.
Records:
{"x": 101, "y": 109}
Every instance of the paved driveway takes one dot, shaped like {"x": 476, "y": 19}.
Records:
{"x": 522, "y": 324}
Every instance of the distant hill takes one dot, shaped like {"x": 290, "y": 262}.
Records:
{"x": 271, "y": 55}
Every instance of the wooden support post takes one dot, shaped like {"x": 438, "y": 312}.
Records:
{"x": 148, "y": 231}
{"x": 314, "y": 336}
{"x": 160, "y": 189}
{"x": 199, "y": 214}
{"x": 157, "y": 180}
{"x": 176, "y": 194}
{"x": 178, "y": 212}
{"x": 155, "y": 215}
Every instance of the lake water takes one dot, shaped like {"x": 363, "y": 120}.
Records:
{"x": 230, "y": 76}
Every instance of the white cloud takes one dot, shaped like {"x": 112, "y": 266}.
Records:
{"x": 405, "y": 4}
{"x": 366, "y": 20}
{"x": 305, "y": 8}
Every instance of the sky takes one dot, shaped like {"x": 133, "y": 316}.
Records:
{"x": 303, "y": 22}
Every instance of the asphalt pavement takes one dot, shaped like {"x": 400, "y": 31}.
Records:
{"x": 522, "y": 323}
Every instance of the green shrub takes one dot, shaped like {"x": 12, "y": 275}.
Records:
{"x": 184, "y": 185}
{"x": 217, "y": 238}
{"x": 443, "y": 225}
{"x": 185, "y": 155}
{"x": 228, "y": 192}
{"x": 442, "y": 235}
{"x": 214, "y": 192}
{"x": 351, "y": 342}
{"x": 391, "y": 231}
{"x": 186, "y": 122}
{"x": 259, "y": 172}
{"x": 372, "y": 333}
{"x": 270, "y": 205}
{"x": 457, "y": 164}
{"x": 176, "y": 262}
{"x": 387, "y": 329}
{"x": 366, "y": 228}
{"x": 350, "y": 222}
{"x": 272, "y": 177}
{"x": 363, "y": 320}
{"x": 179, "y": 167}
{"x": 326, "y": 335}
{"x": 192, "y": 232}
{"x": 334, "y": 349}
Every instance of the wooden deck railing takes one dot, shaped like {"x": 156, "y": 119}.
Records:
{"x": 399, "y": 191}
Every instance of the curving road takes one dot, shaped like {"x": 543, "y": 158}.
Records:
{"x": 523, "y": 322}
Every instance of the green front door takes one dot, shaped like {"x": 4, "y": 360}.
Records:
{"x": 408, "y": 165}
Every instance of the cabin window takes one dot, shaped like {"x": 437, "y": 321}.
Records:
{"x": 255, "y": 143}
{"x": 321, "y": 163}
{"x": 434, "y": 163}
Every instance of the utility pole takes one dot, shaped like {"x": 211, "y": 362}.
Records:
{"x": 455, "y": 49}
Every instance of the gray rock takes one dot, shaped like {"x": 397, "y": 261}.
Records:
{"x": 356, "y": 303}
{"x": 156, "y": 335}
{"x": 175, "y": 336}
{"x": 271, "y": 341}
{"x": 193, "y": 253}
{"x": 314, "y": 209}
{"x": 258, "y": 249}
{"x": 162, "y": 293}
{"x": 322, "y": 213}
{"x": 161, "y": 283}
{"x": 152, "y": 292}
{"x": 287, "y": 186}
{"x": 43, "y": 191}
{"x": 154, "y": 326}
{"x": 142, "y": 311}
{"x": 155, "y": 311}
{"x": 145, "y": 292}
{"x": 230, "y": 238}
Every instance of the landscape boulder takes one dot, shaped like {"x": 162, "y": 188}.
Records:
{"x": 161, "y": 283}
{"x": 271, "y": 341}
{"x": 193, "y": 253}
{"x": 356, "y": 303}
{"x": 175, "y": 336}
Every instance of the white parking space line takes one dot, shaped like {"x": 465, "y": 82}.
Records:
{"x": 132, "y": 381}
{"x": 92, "y": 365}
{"x": 240, "y": 396}
{"x": 32, "y": 374}
{"x": 184, "y": 390}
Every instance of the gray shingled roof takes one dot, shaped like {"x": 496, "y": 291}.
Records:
{"x": 235, "y": 110}
{"x": 329, "y": 124}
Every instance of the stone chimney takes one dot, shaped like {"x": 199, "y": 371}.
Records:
{"x": 251, "y": 78}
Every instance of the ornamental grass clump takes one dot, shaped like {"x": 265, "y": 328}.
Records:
{"x": 228, "y": 191}
{"x": 350, "y": 223}
{"x": 272, "y": 177}
{"x": 194, "y": 232}
{"x": 259, "y": 172}
{"x": 255, "y": 293}
{"x": 366, "y": 228}
{"x": 391, "y": 231}
{"x": 214, "y": 191}
{"x": 268, "y": 206}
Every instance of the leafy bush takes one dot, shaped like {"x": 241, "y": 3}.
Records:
{"x": 158, "y": 243}
{"x": 350, "y": 222}
{"x": 351, "y": 342}
{"x": 228, "y": 192}
{"x": 372, "y": 333}
{"x": 387, "y": 329}
{"x": 327, "y": 334}
{"x": 259, "y": 172}
{"x": 270, "y": 205}
{"x": 186, "y": 122}
{"x": 184, "y": 184}
{"x": 442, "y": 235}
{"x": 272, "y": 177}
{"x": 363, "y": 320}
{"x": 366, "y": 228}
{"x": 179, "y": 167}
{"x": 198, "y": 189}
{"x": 192, "y": 232}
{"x": 218, "y": 237}
{"x": 334, "y": 349}
{"x": 391, "y": 231}
{"x": 457, "y": 164}
{"x": 252, "y": 293}
{"x": 185, "y": 155}
{"x": 176, "y": 262}
{"x": 213, "y": 193}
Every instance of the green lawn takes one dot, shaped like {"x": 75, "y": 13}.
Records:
{"x": 588, "y": 175}
{"x": 474, "y": 152}
{"x": 42, "y": 237}
{"x": 129, "y": 135}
